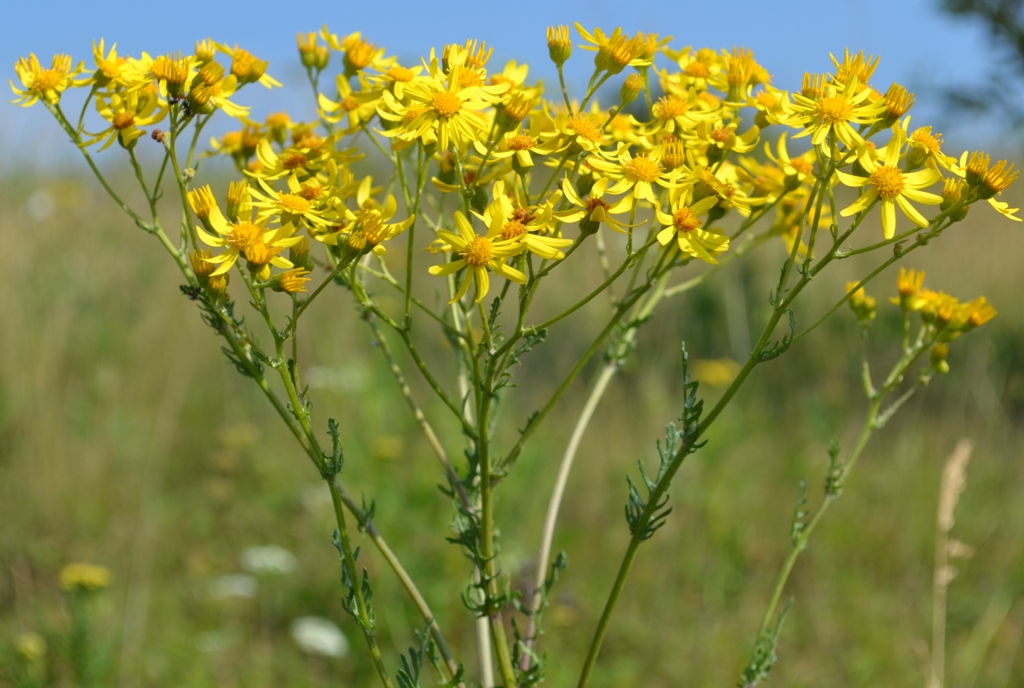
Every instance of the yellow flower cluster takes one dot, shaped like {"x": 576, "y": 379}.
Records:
{"x": 682, "y": 162}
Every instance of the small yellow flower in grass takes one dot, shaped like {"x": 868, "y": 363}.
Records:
{"x": 863, "y": 306}
{"x": 909, "y": 285}
{"x": 683, "y": 225}
{"x": 31, "y": 647}
{"x": 84, "y": 577}
{"x": 39, "y": 82}
{"x": 977, "y": 313}
{"x": 504, "y": 220}
{"x": 891, "y": 186}
{"x": 833, "y": 108}
{"x": 715, "y": 372}
{"x": 478, "y": 254}
{"x": 595, "y": 210}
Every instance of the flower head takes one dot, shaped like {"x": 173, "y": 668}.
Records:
{"x": 478, "y": 254}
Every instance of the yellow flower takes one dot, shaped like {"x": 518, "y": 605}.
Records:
{"x": 720, "y": 138}
{"x": 291, "y": 281}
{"x": 684, "y": 225}
{"x": 292, "y": 206}
{"x": 582, "y": 130}
{"x": 798, "y": 169}
{"x": 513, "y": 224}
{"x": 675, "y": 113}
{"x": 637, "y": 173}
{"x": 448, "y": 113}
{"x": 367, "y": 228}
{"x": 595, "y": 209}
{"x": 126, "y": 112}
{"x": 833, "y": 109}
{"x": 246, "y": 68}
{"x": 358, "y": 106}
{"x": 397, "y": 78}
{"x": 478, "y": 254}
{"x": 170, "y": 72}
{"x": 39, "y": 82}
{"x": 257, "y": 244}
{"x": 84, "y": 577}
{"x": 892, "y": 186}
{"x": 854, "y": 67}
{"x": 616, "y": 51}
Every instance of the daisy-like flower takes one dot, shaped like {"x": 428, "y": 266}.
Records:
{"x": 595, "y": 210}
{"x": 685, "y": 227}
{"x": 676, "y": 113}
{"x": 246, "y": 68}
{"x": 719, "y": 139}
{"x": 111, "y": 70}
{"x": 926, "y": 148}
{"x": 834, "y": 108}
{"x": 126, "y": 112}
{"x": 293, "y": 206}
{"x": 397, "y": 78}
{"x": 171, "y": 72}
{"x": 770, "y": 104}
{"x": 637, "y": 173}
{"x": 445, "y": 112}
{"x": 582, "y": 130}
{"x": 478, "y": 254}
{"x": 854, "y": 67}
{"x": 261, "y": 247}
{"x": 519, "y": 147}
{"x": 39, "y": 82}
{"x": 211, "y": 90}
{"x": 516, "y": 224}
{"x": 358, "y": 54}
{"x": 615, "y": 52}
{"x": 891, "y": 186}
{"x": 909, "y": 284}
{"x": 798, "y": 169}
{"x": 697, "y": 67}
{"x": 358, "y": 106}
{"x": 368, "y": 227}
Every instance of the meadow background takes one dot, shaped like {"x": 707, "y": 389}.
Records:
{"x": 127, "y": 440}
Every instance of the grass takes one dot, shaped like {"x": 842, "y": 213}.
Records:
{"x": 126, "y": 440}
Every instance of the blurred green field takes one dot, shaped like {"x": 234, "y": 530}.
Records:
{"x": 127, "y": 440}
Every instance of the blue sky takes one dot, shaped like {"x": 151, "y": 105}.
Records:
{"x": 919, "y": 46}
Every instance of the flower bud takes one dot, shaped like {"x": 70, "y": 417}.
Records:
{"x": 238, "y": 198}
{"x": 559, "y": 45}
{"x": 291, "y": 281}
{"x": 631, "y": 89}
{"x": 937, "y": 358}
{"x": 863, "y": 306}
{"x": 307, "y": 49}
{"x": 299, "y": 254}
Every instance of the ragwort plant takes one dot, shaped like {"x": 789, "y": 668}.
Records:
{"x": 501, "y": 185}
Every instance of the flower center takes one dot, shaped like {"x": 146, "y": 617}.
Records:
{"x": 293, "y": 203}
{"x": 123, "y": 120}
{"x": 765, "y": 100}
{"x": 586, "y": 127}
{"x": 399, "y": 73}
{"x": 684, "y": 220}
{"x": 802, "y": 165}
{"x": 521, "y": 142}
{"x": 446, "y": 104}
{"x": 697, "y": 69}
{"x": 478, "y": 252}
{"x": 924, "y": 136}
{"x": 720, "y": 135}
{"x": 642, "y": 169}
{"x": 259, "y": 254}
{"x": 832, "y": 109}
{"x": 670, "y": 107}
{"x": 243, "y": 235}
{"x": 278, "y": 119}
{"x": 522, "y": 215}
{"x": 513, "y": 230}
{"x": 310, "y": 191}
{"x": 888, "y": 181}
{"x": 294, "y": 161}
{"x": 594, "y": 202}
{"x": 349, "y": 103}
{"x": 47, "y": 80}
